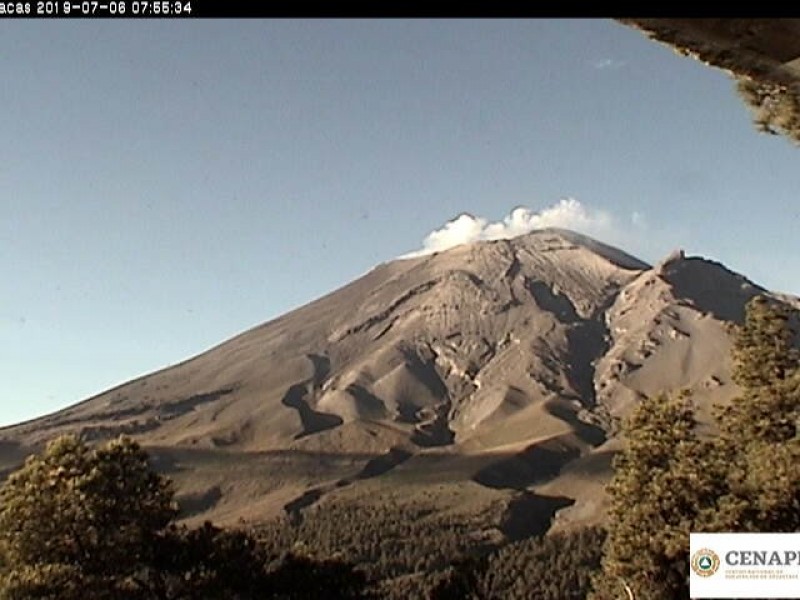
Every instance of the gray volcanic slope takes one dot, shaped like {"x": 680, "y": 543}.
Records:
{"x": 497, "y": 368}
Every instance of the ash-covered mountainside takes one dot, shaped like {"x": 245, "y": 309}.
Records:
{"x": 497, "y": 365}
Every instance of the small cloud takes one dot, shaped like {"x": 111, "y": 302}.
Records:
{"x": 567, "y": 213}
{"x": 608, "y": 63}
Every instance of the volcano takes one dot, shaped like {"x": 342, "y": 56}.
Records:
{"x": 489, "y": 376}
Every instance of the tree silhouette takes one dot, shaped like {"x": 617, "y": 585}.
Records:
{"x": 81, "y": 522}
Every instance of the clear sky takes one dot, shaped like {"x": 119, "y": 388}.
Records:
{"x": 165, "y": 185}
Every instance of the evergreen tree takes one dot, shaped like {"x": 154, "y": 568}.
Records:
{"x": 660, "y": 487}
{"x": 758, "y": 438}
{"x": 79, "y": 518}
{"x": 764, "y": 351}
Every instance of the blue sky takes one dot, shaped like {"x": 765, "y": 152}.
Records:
{"x": 165, "y": 185}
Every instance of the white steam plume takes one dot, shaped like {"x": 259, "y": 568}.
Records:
{"x": 567, "y": 213}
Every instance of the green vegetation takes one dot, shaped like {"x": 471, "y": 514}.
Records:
{"x": 82, "y": 522}
{"x": 389, "y": 538}
{"x": 658, "y": 495}
{"x": 556, "y": 567}
{"x": 412, "y": 552}
{"x": 758, "y": 442}
{"x": 668, "y": 481}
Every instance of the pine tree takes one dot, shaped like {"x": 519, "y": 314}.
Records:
{"x": 758, "y": 436}
{"x": 81, "y": 515}
{"x": 764, "y": 348}
{"x": 660, "y": 487}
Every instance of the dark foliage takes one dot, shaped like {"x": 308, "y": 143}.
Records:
{"x": 412, "y": 554}
{"x": 775, "y": 107}
{"x": 388, "y": 540}
{"x": 97, "y": 523}
{"x": 557, "y": 567}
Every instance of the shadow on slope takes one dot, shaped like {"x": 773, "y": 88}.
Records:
{"x": 370, "y": 405}
{"x": 296, "y": 397}
{"x": 530, "y": 515}
{"x": 588, "y": 342}
{"x": 294, "y": 509}
{"x": 312, "y": 421}
{"x": 543, "y": 461}
{"x": 375, "y": 467}
{"x": 180, "y": 407}
{"x": 195, "y": 503}
{"x": 711, "y": 287}
{"x": 554, "y": 302}
{"x": 586, "y": 432}
{"x": 384, "y": 463}
{"x": 536, "y": 464}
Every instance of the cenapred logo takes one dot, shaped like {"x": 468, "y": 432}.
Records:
{"x": 744, "y": 565}
{"x": 705, "y": 562}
